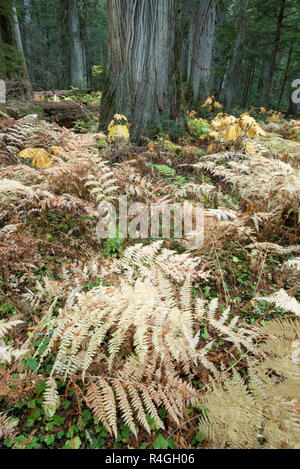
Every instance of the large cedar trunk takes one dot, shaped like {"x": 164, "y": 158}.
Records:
{"x": 142, "y": 77}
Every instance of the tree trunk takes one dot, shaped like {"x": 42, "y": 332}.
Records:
{"x": 27, "y": 39}
{"x": 77, "y": 60}
{"x": 261, "y": 81}
{"x": 142, "y": 78}
{"x": 247, "y": 84}
{"x": 272, "y": 68}
{"x": 294, "y": 107}
{"x": 203, "y": 27}
{"x": 186, "y": 40}
{"x": 11, "y": 37}
{"x": 220, "y": 57}
{"x": 285, "y": 76}
{"x": 236, "y": 59}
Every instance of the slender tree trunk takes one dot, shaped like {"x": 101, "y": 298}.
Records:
{"x": 77, "y": 60}
{"x": 272, "y": 68}
{"x": 27, "y": 38}
{"x": 247, "y": 84}
{"x": 142, "y": 80}
{"x": 236, "y": 59}
{"x": 285, "y": 76}
{"x": 220, "y": 57}
{"x": 203, "y": 27}
{"x": 294, "y": 108}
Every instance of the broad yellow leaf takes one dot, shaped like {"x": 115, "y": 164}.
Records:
{"x": 229, "y": 120}
{"x": 41, "y": 159}
{"x": 28, "y": 153}
{"x": 247, "y": 121}
{"x": 118, "y": 131}
{"x": 256, "y": 131}
{"x": 233, "y": 133}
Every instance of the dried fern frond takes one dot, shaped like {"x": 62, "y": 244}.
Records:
{"x": 12, "y": 186}
{"x": 102, "y": 184}
{"x": 284, "y": 301}
{"x": 51, "y": 398}
{"x": 138, "y": 259}
{"x": 144, "y": 317}
{"x": 7, "y": 428}
{"x": 270, "y": 185}
{"x": 7, "y": 352}
{"x": 262, "y": 412}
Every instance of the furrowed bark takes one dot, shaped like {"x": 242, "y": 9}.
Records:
{"x": 142, "y": 79}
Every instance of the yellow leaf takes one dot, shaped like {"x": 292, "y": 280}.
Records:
{"x": 247, "y": 121}
{"x": 233, "y": 132}
{"x": 208, "y": 102}
{"x": 150, "y": 146}
{"x": 118, "y": 132}
{"x": 57, "y": 151}
{"x": 120, "y": 117}
{"x": 256, "y": 131}
{"x": 41, "y": 159}
{"x": 28, "y": 153}
{"x": 217, "y": 105}
{"x": 193, "y": 114}
{"x": 274, "y": 118}
{"x": 262, "y": 110}
{"x": 229, "y": 120}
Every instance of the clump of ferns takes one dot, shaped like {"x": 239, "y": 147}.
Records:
{"x": 101, "y": 183}
{"x": 262, "y": 411}
{"x": 131, "y": 345}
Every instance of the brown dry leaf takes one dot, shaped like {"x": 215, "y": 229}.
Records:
{"x": 4, "y": 390}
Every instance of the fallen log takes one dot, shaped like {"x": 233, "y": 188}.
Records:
{"x": 67, "y": 113}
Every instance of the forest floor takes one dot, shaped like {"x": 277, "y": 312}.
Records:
{"x": 250, "y": 187}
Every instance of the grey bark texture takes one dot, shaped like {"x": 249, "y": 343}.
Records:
{"x": 237, "y": 54}
{"x": 11, "y": 35}
{"x": 142, "y": 79}
{"x": 27, "y": 38}
{"x": 77, "y": 59}
{"x": 220, "y": 57}
{"x": 200, "y": 51}
{"x": 274, "y": 56}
